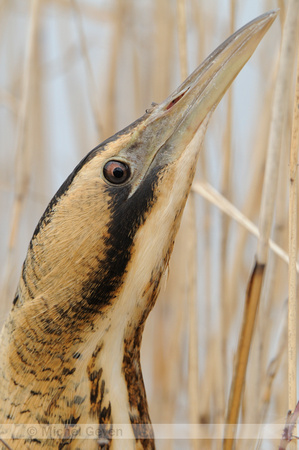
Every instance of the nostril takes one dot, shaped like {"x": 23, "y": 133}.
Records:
{"x": 175, "y": 100}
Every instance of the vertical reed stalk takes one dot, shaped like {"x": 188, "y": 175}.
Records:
{"x": 282, "y": 87}
{"x": 190, "y": 230}
{"x": 115, "y": 49}
{"x": 91, "y": 84}
{"x": 226, "y": 189}
{"x": 266, "y": 219}
{"x": 23, "y": 151}
{"x": 182, "y": 33}
{"x": 293, "y": 223}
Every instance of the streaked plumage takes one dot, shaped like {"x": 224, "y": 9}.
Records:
{"x": 70, "y": 349}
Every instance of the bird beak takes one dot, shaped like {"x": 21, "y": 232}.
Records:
{"x": 169, "y": 127}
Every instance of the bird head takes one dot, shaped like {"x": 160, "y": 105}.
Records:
{"x": 111, "y": 226}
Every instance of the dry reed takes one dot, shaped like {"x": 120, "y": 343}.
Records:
{"x": 293, "y": 223}
{"x": 23, "y": 160}
{"x": 189, "y": 229}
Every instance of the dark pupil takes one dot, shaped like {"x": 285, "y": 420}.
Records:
{"x": 118, "y": 172}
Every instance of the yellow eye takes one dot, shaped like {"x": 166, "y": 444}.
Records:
{"x": 116, "y": 172}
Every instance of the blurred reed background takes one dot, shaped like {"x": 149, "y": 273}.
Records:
{"x": 75, "y": 72}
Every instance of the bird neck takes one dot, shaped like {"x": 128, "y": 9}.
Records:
{"x": 83, "y": 378}
{"x": 116, "y": 384}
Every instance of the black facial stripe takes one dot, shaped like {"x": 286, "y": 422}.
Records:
{"x": 127, "y": 216}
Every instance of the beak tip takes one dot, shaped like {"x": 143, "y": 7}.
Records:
{"x": 181, "y": 114}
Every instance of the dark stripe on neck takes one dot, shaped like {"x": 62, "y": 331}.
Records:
{"x": 127, "y": 215}
{"x": 138, "y": 413}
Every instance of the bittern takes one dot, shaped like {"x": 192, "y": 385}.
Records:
{"x": 70, "y": 348}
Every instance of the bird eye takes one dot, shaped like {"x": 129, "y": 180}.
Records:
{"x": 116, "y": 172}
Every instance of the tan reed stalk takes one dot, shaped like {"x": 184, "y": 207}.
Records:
{"x": 278, "y": 113}
{"x": 274, "y": 365}
{"x": 5, "y": 444}
{"x": 210, "y": 386}
{"x": 163, "y": 44}
{"x": 237, "y": 386}
{"x": 92, "y": 11}
{"x": 252, "y": 202}
{"x": 91, "y": 84}
{"x": 214, "y": 197}
{"x": 226, "y": 190}
{"x": 274, "y": 290}
{"x": 137, "y": 83}
{"x": 207, "y": 390}
{"x": 193, "y": 372}
{"x": 293, "y": 250}
{"x": 23, "y": 151}
{"x": 190, "y": 231}
{"x": 70, "y": 85}
{"x": 10, "y": 101}
{"x": 282, "y": 10}
{"x": 266, "y": 219}
{"x": 274, "y": 285}
{"x": 115, "y": 49}
{"x": 182, "y": 33}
